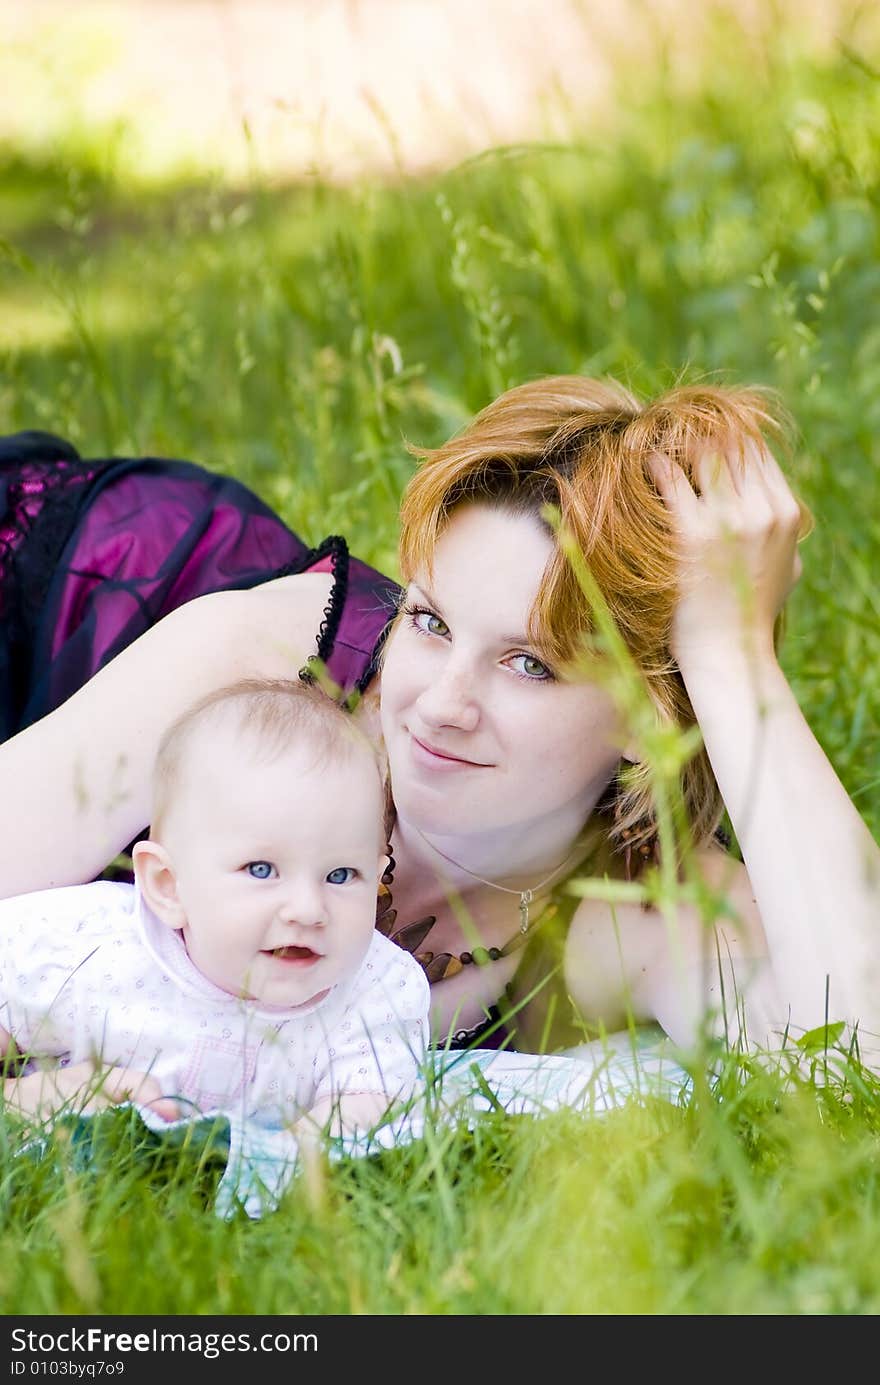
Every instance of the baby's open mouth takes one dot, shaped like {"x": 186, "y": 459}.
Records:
{"x": 295, "y": 954}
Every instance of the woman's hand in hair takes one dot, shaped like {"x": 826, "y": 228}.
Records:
{"x": 813, "y": 868}
{"x": 737, "y": 525}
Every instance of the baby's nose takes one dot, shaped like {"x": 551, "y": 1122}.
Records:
{"x": 303, "y": 905}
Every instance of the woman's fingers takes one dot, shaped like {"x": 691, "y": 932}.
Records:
{"x": 737, "y": 488}
{"x": 716, "y": 475}
{"x": 673, "y": 485}
{"x": 716, "y": 484}
{"x": 736, "y": 523}
{"x": 784, "y": 503}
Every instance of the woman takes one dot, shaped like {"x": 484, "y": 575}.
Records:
{"x": 512, "y": 766}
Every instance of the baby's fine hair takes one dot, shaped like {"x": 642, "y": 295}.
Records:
{"x": 271, "y": 715}
{"x": 584, "y": 447}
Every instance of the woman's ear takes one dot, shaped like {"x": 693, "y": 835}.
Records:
{"x": 631, "y": 748}
{"x": 626, "y": 744}
{"x": 157, "y": 882}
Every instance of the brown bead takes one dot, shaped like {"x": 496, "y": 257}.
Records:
{"x": 423, "y": 958}
{"x": 412, "y": 935}
{"x": 385, "y": 922}
{"x": 465, "y": 958}
{"x": 435, "y": 970}
{"x": 453, "y": 967}
{"x": 494, "y": 954}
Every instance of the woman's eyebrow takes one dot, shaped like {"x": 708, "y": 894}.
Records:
{"x": 428, "y": 596}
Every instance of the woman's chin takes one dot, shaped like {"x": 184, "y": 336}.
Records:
{"x": 445, "y": 817}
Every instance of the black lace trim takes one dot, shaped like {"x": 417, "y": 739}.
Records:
{"x": 375, "y": 660}
{"x": 489, "y": 1028}
{"x": 337, "y": 548}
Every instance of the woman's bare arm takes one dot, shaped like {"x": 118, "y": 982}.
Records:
{"x": 813, "y": 866}
{"x": 76, "y": 785}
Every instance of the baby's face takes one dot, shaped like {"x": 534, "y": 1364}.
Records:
{"x": 277, "y": 868}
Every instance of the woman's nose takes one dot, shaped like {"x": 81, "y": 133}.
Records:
{"x": 450, "y": 699}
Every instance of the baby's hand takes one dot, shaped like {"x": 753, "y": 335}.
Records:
{"x": 343, "y": 1115}
{"x": 83, "y": 1088}
{"x": 334, "y": 1116}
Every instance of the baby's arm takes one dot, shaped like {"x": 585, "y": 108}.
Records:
{"x": 347, "y": 1114}
{"x": 44, "y": 947}
{"x": 374, "y": 1061}
{"x": 83, "y": 1088}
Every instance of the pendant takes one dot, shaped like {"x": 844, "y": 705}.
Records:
{"x": 525, "y": 900}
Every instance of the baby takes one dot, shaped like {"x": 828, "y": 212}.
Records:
{"x": 242, "y": 970}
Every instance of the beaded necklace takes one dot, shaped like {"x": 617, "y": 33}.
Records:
{"x": 438, "y": 966}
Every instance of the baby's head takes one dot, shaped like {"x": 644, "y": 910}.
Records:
{"x": 267, "y": 841}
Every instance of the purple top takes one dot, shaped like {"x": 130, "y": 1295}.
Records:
{"x": 94, "y": 552}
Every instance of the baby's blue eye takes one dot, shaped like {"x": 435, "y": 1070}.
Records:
{"x": 341, "y": 875}
{"x": 260, "y": 870}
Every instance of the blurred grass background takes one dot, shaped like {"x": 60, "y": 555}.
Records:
{"x": 286, "y": 267}
{"x": 707, "y": 204}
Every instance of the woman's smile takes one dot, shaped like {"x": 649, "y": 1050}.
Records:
{"x": 434, "y": 758}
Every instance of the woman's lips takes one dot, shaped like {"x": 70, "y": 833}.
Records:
{"x": 434, "y": 758}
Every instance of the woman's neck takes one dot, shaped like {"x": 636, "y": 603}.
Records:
{"x": 518, "y": 857}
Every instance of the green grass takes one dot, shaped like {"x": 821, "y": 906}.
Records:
{"x": 761, "y": 1198}
{"x": 296, "y": 337}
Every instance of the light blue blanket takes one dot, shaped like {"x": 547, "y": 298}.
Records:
{"x": 458, "y": 1088}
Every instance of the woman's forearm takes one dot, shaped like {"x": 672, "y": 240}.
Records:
{"x": 77, "y": 782}
{"x": 76, "y": 785}
{"x": 813, "y": 865}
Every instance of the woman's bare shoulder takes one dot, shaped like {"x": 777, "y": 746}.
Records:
{"x": 716, "y": 879}
{"x": 277, "y": 623}
{"x": 625, "y": 958}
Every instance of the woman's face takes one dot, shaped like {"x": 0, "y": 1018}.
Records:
{"x": 480, "y": 735}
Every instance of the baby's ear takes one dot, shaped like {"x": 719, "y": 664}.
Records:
{"x": 157, "y": 882}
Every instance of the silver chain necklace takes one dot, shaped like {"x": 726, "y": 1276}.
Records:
{"x": 525, "y": 896}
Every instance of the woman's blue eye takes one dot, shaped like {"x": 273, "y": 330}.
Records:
{"x": 341, "y": 875}
{"x": 259, "y": 870}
